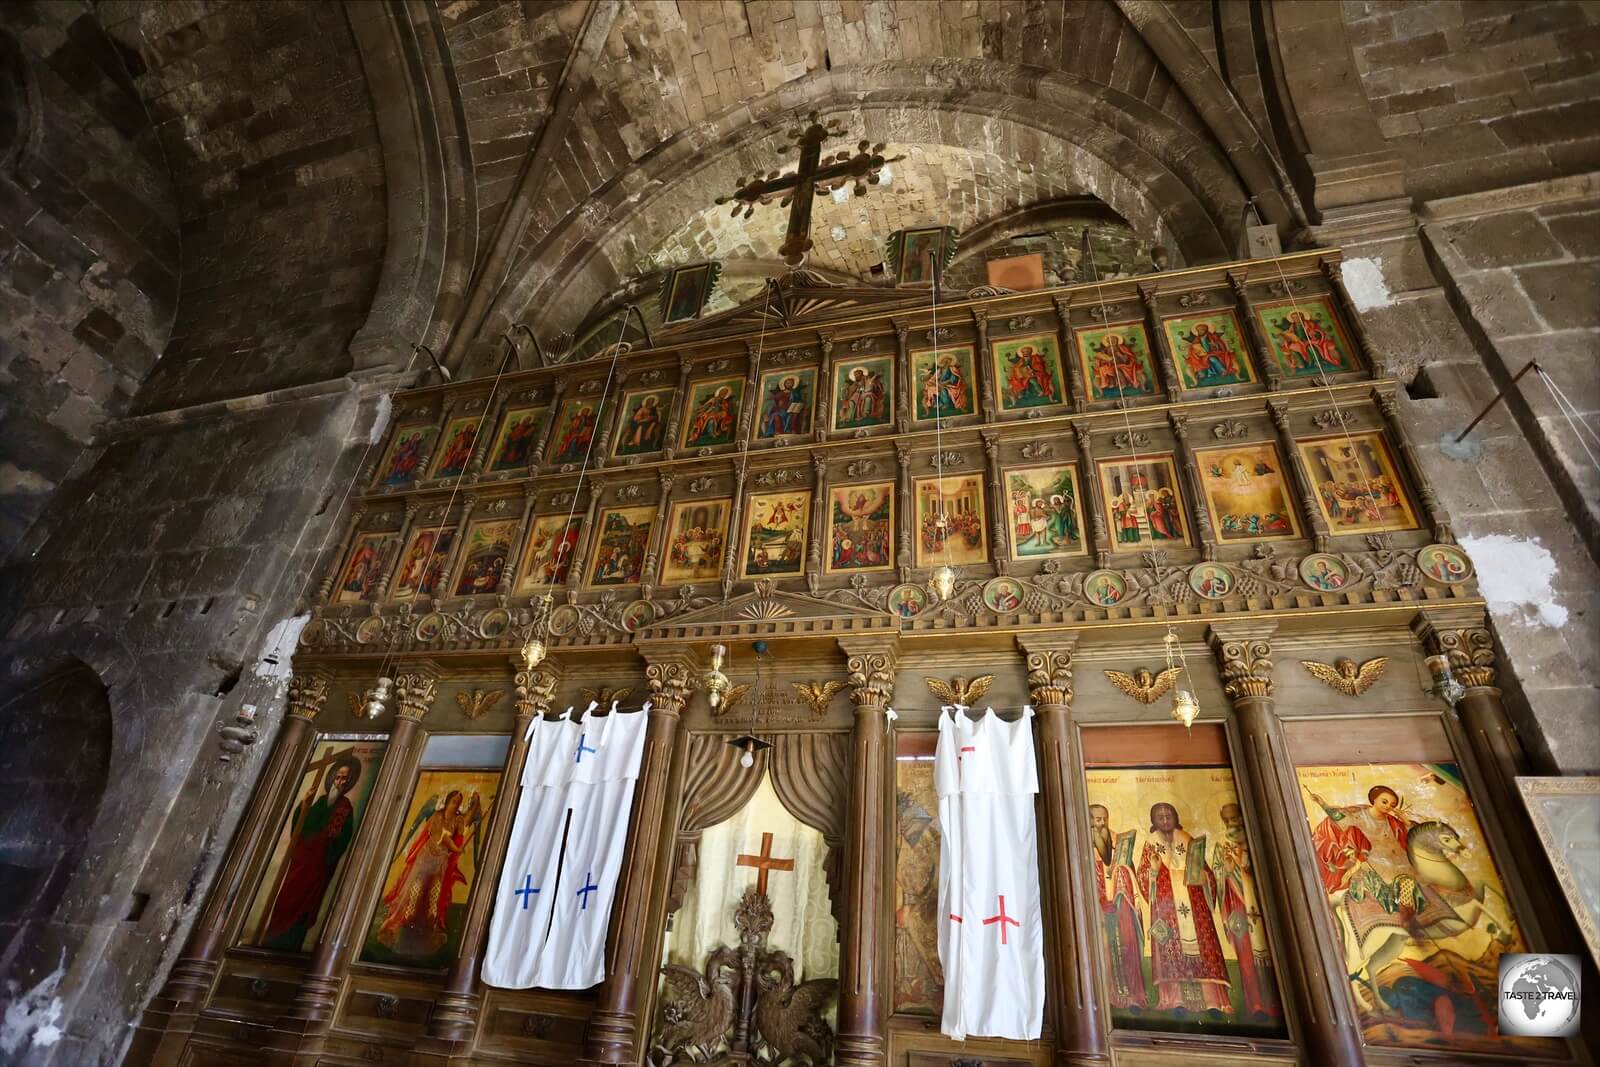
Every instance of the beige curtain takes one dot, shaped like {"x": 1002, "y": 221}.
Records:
{"x": 811, "y": 776}
{"x": 713, "y": 789}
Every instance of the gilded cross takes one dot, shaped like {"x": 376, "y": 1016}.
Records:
{"x": 764, "y": 863}
{"x": 811, "y": 179}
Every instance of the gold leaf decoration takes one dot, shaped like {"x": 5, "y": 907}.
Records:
{"x": 479, "y": 702}
{"x": 817, "y": 695}
{"x": 1143, "y": 686}
{"x": 1345, "y": 676}
{"x": 961, "y": 690}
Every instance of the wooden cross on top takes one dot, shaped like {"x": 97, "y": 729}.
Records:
{"x": 765, "y": 863}
{"x": 810, "y": 180}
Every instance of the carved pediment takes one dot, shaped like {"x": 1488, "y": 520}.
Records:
{"x": 801, "y": 297}
{"x": 768, "y": 611}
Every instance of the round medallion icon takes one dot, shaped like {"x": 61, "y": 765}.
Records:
{"x": 1539, "y": 995}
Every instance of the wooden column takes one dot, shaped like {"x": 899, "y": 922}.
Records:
{"x": 605, "y": 423}
{"x": 332, "y": 574}
{"x": 822, "y": 406}
{"x": 1069, "y": 353}
{"x": 730, "y": 540}
{"x": 871, "y": 665}
{"x": 171, "y": 1014}
{"x": 905, "y": 528}
{"x": 750, "y": 403}
{"x": 580, "y": 551}
{"x": 1347, "y": 311}
{"x": 1239, "y": 281}
{"x": 819, "y": 522}
{"x": 1387, "y": 403}
{"x": 508, "y": 576}
{"x": 680, "y": 400}
{"x": 658, "y": 535}
{"x": 1076, "y": 967}
{"x": 618, "y": 1028}
{"x": 1094, "y": 502}
{"x": 455, "y": 1012}
{"x": 1299, "y": 920}
{"x": 903, "y": 383}
{"x": 458, "y": 545}
{"x": 381, "y": 590}
{"x": 551, "y": 428}
{"x": 1160, "y": 350}
{"x": 1305, "y": 487}
{"x": 983, "y": 365}
{"x": 304, "y": 1027}
{"x": 999, "y": 506}
{"x": 1196, "y": 491}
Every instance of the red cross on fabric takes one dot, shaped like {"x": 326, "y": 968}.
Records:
{"x": 1003, "y": 919}
{"x": 965, "y": 750}
{"x": 764, "y": 863}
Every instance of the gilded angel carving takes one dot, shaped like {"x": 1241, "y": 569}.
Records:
{"x": 730, "y": 699}
{"x": 789, "y": 1017}
{"x": 696, "y": 1009}
{"x": 817, "y": 695}
{"x": 961, "y": 690}
{"x": 604, "y": 695}
{"x": 479, "y": 702}
{"x": 1345, "y": 676}
{"x": 1143, "y": 686}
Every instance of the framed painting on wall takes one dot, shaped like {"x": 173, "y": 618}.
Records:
{"x": 943, "y": 384}
{"x": 961, "y": 540}
{"x": 619, "y": 545}
{"x": 863, "y": 393}
{"x": 688, "y": 289}
{"x": 422, "y": 566}
{"x": 1306, "y": 337}
{"x": 787, "y": 397}
{"x": 423, "y": 906}
{"x": 1027, "y": 372}
{"x": 455, "y": 450}
{"x": 402, "y": 464}
{"x": 1246, "y": 492}
{"x": 520, "y": 430}
{"x": 1208, "y": 350}
{"x": 711, "y": 417}
{"x": 1144, "y": 504}
{"x": 1116, "y": 361}
{"x": 643, "y": 428}
{"x": 552, "y": 539}
{"x": 574, "y": 432}
{"x": 775, "y": 537}
{"x": 860, "y": 528}
{"x": 1357, "y": 485}
{"x": 330, "y": 799}
{"x": 369, "y": 560}
{"x": 697, "y": 536}
{"x": 920, "y": 253}
{"x": 918, "y": 973}
{"x": 483, "y": 556}
{"x": 1045, "y": 510}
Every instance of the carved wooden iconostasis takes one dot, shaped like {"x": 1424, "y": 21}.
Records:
{"x": 1211, "y": 456}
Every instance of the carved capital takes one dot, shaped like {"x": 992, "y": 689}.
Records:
{"x": 1049, "y": 661}
{"x": 414, "y": 691}
{"x": 1279, "y": 410}
{"x": 870, "y": 668}
{"x": 307, "y": 694}
{"x": 1245, "y": 661}
{"x": 535, "y": 691}
{"x": 669, "y": 683}
{"x": 1465, "y": 641}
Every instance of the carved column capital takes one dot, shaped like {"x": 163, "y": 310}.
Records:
{"x": 1049, "y": 660}
{"x": 670, "y": 684}
{"x": 308, "y": 692}
{"x": 870, "y": 667}
{"x": 414, "y": 692}
{"x": 1462, "y": 637}
{"x": 1244, "y": 657}
{"x": 536, "y": 689}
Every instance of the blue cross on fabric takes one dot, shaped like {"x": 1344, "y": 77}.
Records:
{"x": 528, "y": 890}
{"x": 582, "y": 748}
{"x": 588, "y": 887}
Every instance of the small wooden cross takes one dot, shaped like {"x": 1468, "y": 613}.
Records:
{"x": 764, "y": 863}
{"x": 810, "y": 180}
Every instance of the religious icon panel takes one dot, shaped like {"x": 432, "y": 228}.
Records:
{"x": 1116, "y": 361}
{"x": 1143, "y": 503}
{"x": 690, "y": 287}
{"x": 1208, "y": 351}
{"x": 1357, "y": 485}
{"x": 1306, "y": 337}
{"x": 1181, "y": 924}
{"x": 775, "y": 534}
{"x": 1419, "y": 907}
{"x": 643, "y": 428}
{"x": 711, "y": 417}
{"x": 424, "y": 903}
{"x": 287, "y": 911}
{"x": 369, "y": 559}
{"x": 863, "y": 393}
{"x": 483, "y": 556}
{"x": 943, "y": 384}
{"x": 422, "y": 566}
{"x": 697, "y": 535}
{"x": 552, "y": 539}
{"x": 950, "y": 523}
{"x": 918, "y": 251}
{"x": 520, "y": 430}
{"x": 787, "y": 398}
{"x": 1045, "y": 511}
{"x": 620, "y": 545}
{"x": 402, "y": 464}
{"x": 861, "y": 527}
{"x": 574, "y": 432}
{"x": 455, "y": 449}
{"x": 1028, "y": 372}
{"x": 918, "y": 973}
{"x": 1246, "y": 492}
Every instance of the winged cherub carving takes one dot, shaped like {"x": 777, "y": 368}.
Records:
{"x": 789, "y": 1017}
{"x": 696, "y": 1009}
{"x": 1143, "y": 686}
{"x": 960, "y": 690}
{"x": 604, "y": 695}
{"x": 1345, "y": 676}
{"x": 479, "y": 702}
{"x": 817, "y": 695}
{"x": 732, "y": 697}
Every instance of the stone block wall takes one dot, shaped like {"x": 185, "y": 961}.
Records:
{"x": 88, "y": 248}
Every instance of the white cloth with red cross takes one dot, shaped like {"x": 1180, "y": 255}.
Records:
{"x": 991, "y": 932}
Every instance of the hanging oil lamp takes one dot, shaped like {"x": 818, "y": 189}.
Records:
{"x": 714, "y": 681}
{"x": 378, "y": 696}
{"x": 944, "y": 581}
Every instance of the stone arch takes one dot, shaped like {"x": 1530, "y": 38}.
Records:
{"x": 17, "y": 107}
{"x": 56, "y": 742}
{"x": 1135, "y": 157}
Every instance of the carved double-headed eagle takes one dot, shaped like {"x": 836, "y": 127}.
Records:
{"x": 1345, "y": 676}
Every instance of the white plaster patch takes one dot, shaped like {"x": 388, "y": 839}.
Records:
{"x": 32, "y": 1017}
{"x": 380, "y": 419}
{"x": 277, "y": 662}
{"x": 1363, "y": 280}
{"x": 1517, "y": 577}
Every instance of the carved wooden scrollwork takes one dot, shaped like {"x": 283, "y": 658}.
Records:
{"x": 1246, "y": 667}
{"x": 669, "y": 686}
{"x": 1050, "y": 676}
{"x": 307, "y": 694}
{"x": 415, "y": 692}
{"x": 1471, "y": 653}
{"x": 871, "y": 677}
